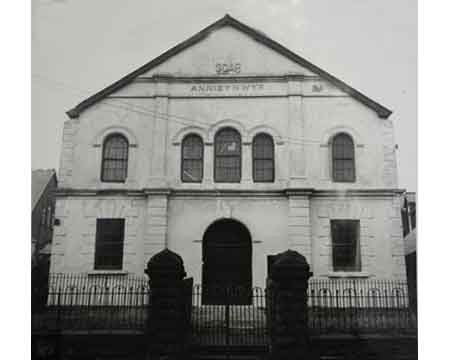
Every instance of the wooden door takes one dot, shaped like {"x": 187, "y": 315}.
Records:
{"x": 227, "y": 264}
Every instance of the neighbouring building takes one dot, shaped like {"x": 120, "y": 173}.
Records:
{"x": 410, "y": 234}
{"x": 228, "y": 148}
{"x": 43, "y": 186}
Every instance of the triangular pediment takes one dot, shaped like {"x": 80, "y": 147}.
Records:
{"x": 232, "y": 45}
{"x": 228, "y": 51}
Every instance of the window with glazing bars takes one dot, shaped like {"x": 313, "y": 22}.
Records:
{"x": 346, "y": 248}
{"x": 109, "y": 244}
{"x": 192, "y": 159}
{"x": 115, "y": 159}
{"x": 227, "y": 150}
{"x": 343, "y": 154}
{"x": 263, "y": 158}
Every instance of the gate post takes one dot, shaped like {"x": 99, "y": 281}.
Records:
{"x": 168, "y": 314}
{"x": 288, "y": 308}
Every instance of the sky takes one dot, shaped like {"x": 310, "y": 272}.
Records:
{"x": 81, "y": 46}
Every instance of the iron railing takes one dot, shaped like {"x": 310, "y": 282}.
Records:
{"x": 359, "y": 305}
{"x": 91, "y": 302}
{"x": 104, "y": 302}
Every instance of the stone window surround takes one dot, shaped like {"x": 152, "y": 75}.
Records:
{"x": 365, "y": 267}
{"x": 333, "y": 208}
{"x": 97, "y": 143}
{"x": 182, "y": 159}
{"x": 336, "y": 243}
{"x": 208, "y": 134}
{"x": 113, "y": 137}
{"x": 111, "y": 208}
{"x": 326, "y": 144}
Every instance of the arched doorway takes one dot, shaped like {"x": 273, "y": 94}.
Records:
{"x": 227, "y": 263}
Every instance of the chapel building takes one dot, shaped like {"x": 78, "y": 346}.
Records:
{"x": 226, "y": 149}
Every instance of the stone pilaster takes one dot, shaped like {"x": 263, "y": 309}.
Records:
{"x": 155, "y": 238}
{"x": 390, "y": 162}
{"x": 246, "y": 165}
{"x": 67, "y": 152}
{"x": 296, "y": 133}
{"x": 59, "y": 235}
{"x": 208, "y": 163}
{"x": 396, "y": 240}
{"x": 158, "y": 151}
{"x": 299, "y": 225}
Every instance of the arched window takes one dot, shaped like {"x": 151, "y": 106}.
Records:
{"x": 115, "y": 159}
{"x": 263, "y": 158}
{"x": 227, "y": 159}
{"x": 192, "y": 159}
{"x": 343, "y": 153}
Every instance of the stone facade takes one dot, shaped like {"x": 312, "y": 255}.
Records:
{"x": 294, "y": 103}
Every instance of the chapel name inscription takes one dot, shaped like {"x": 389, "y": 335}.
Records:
{"x": 226, "y": 88}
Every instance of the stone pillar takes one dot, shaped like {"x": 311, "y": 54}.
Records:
{"x": 299, "y": 223}
{"x": 170, "y": 304}
{"x": 288, "y": 309}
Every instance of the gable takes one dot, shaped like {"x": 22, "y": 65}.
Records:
{"x": 167, "y": 60}
{"x": 228, "y": 50}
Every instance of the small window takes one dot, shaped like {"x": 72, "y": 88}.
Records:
{"x": 115, "y": 159}
{"x": 346, "y": 248}
{"x": 263, "y": 158}
{"x": 109, "y": 244}
{"x": 227, "y": 150}
{"x": 343, "y": 154}
{"x": 192, "y": 159}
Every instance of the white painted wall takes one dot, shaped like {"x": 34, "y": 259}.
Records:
{"x": 73, "y": 245}
{"x": 265, "y": 218}
{"x": 154, "y": 157}
{"x": 302, "y": 113}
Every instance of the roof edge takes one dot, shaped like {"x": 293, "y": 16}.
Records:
{"x": 381, "y": 111}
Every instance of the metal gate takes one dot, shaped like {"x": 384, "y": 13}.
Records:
{"x": 229, "y": 324}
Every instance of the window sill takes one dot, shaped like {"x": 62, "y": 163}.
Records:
{"x": 107, "y": 272}
{"x": 348, "y": 274}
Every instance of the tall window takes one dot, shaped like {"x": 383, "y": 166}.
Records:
{"x": 109, "y": 244}
{"x": 346, "y": 248}
{"x": 227, "y": 150}
{"x": 115, "y": 159}
{"x": 343, "y": 154}
{"x": 263, "y": 158}
{"x": 192, "y": 159}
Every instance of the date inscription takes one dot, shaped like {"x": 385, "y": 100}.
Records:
{"x": 228, "y": 69}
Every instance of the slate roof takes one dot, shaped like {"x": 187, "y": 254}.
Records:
{"x": 227, "y": 20}
{"x": 39, "y": 180}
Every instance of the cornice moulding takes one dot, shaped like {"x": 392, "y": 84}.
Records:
{"x": 172, "y": 192}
